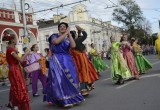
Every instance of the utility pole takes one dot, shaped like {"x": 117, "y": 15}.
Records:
{"x": 24, "y": 17}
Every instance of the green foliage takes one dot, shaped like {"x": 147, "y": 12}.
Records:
{"x": 130, "y": 15}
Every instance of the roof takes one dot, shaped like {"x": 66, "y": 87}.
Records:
{"x": 45, "y": 24}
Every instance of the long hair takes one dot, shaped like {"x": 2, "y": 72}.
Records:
{"x": 92, "y": 44}
{"x": 24, "y": 49}
{"x": 33, "y": 46}
{"x": 121, "y": 39}
{"x": 132, "y": 41}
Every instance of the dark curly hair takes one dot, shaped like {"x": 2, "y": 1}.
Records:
{"x": 64, "y": 24}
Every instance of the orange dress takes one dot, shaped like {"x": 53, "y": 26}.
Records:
{"x": 18, "y": 90}
{"x": 85, "y": 69}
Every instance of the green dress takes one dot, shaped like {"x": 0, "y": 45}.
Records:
{"x": 142, "y": 63}
{"x": 119, "y": 68}
{"x": 98, "y": 63}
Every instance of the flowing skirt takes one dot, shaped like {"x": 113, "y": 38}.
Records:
{"x": 128, "y": 56}
{"x": 99, "y": 64}
{"x": 119, "y": 68}
{"x": 60, "y": 89}
{"x": 18, "y": 89}
{"x": 86, "y": 72}
{"x": 142, "y": 63}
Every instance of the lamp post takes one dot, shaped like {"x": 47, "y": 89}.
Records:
{"x": 24, "y": 17}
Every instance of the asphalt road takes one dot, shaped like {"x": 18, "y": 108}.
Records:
{"x": 143, "y": 94}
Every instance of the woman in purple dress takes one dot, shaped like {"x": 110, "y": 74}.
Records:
{"x": 63, "y": 86}
{"x": 35, "y": 75}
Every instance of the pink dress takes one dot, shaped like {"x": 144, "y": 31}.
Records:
{"x": 128, "y": 56}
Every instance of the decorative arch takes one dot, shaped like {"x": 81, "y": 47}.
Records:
{"x": 12, "y": 32}
{"x": 33, "y": 39}
{"x": 4, "y": 44}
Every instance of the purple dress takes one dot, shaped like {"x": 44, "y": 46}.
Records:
{"x": 63, "y": 85}
{"x": 36, "y": 74}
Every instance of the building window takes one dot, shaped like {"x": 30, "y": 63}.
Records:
{"x": 8, "y": 15}
{"x": 20, "y": 17}
{"x": 4, "y": 14}
{"x": 47, "y": 36}
{"x": 31, "y": 18}
{"x": 12, "y": 15}
{"x": 27, "y": 18}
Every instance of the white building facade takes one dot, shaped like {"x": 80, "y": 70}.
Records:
{"x": 99, "y": 32}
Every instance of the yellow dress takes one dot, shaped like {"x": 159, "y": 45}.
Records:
{"x": 157, "y": 45}
{"x": 92, "y": 51}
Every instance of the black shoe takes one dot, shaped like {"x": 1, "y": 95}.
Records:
{"x": 3, "y": 84}
{"x": 35, "y": 95}
{"x": 118, "y": 82}
{"x": 121, "y": 81}
{"x": 10, "y": 106}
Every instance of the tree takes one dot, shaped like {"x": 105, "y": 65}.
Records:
{"x": 129, "y": 14}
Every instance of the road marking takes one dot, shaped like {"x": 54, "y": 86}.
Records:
{"x": 4, "y": 90}
{"x": 106, "y": 79}
{"x": 152, "y": 59}
{"x": 156, "y": 63}
{"x": 149, "y": 76}
{"x": 9, "y": 89}
{"x": 146, "y": 76}
{"x": 142, "y": 77}
{"x": 126, "y": 84}
{"x": 38, "y": 89}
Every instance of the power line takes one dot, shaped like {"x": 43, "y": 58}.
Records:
{"x": 114, "y": 5}
{"x": 40, "y": 17}
{"x": 59, "y": 6}
{"x": 59, "y": 2}
{"x": 150, "y": 8}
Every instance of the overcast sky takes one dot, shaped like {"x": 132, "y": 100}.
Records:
{"x": 96, "y": 8}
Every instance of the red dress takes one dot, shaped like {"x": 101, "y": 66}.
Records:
{"x": 18, "y": 89}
